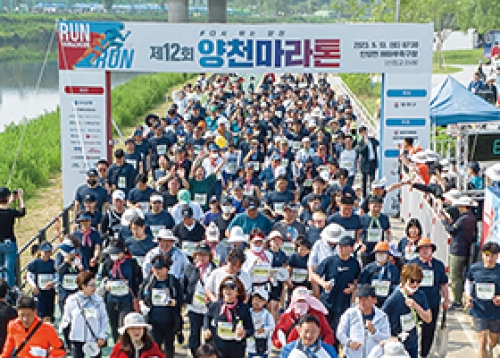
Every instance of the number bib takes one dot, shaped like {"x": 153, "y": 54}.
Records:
{"x": 288, "y": 248}
{"x": 90, "y": 313}
{"x": 284, "y": 162}
{"x": 155, "y": 229}
{"x": 231, "y": 167}
{"x": 225, "y": 330}
{"x": 299, "y": 275}
{"x": 118, "y": 288}
{"x": 200, "y": 199}
{"x": 428, "y": 280}
{"x": 160, "y": 297}
{"x": 407, "y": 322}
{"x": 346, "y": 165}
{"x": 296, "y": 145}
{"x": 278, "y": 207}
{"x": 256, "y": 166}
{"x": 485, "y": 291}
{"x": 122, "y": 182}
{"x": 161, "y": 149}
{"x": 44, "y": 279}
{"x": 248, "y": 190}
{"x": 188, "y": 247}
{"x": 381, "y": 287}
{"x": 308, "y": 182}
{"x": 373, "y": 235}
{"x": 69, "y": 282}
{"x": 144, "y": 206}
{"x": 261, "y": 273}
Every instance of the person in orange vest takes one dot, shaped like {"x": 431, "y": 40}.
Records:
{"x": 28, "y": 336}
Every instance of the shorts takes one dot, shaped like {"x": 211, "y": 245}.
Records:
{"x": 276, "y": 292}
{"x": 483, "y": 324}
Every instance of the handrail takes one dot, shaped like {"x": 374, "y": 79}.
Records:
{"x": 42, "y": 236}
{"x": 358, "y": 107}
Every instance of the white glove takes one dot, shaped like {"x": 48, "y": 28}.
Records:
{"x": 144, "y": 309}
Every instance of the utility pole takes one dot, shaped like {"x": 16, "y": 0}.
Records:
{"x": 398, "y": 4}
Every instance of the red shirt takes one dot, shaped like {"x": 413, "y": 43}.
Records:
{"x": 151, "y": 353}
{"x": 495, "y": 51}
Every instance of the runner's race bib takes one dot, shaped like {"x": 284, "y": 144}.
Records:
{"x": 485, "y": 291}
{"x": 44, "y": 279}
{"x": 118, "y": 288}
{"x": 200, "y": 199}
{"x": 374, "y": 235}
{"x": 407, "y": 322}
{"x": 225, "y": 331}
{"x": 382, "y": 287}
{"x": 160, "y": 297}
{"x": 288, "y": 248}
{"x": 188, "y": 247}
{"x": 69, "y": 282}
{"x": 261, "y": 273}
{"x": 428, "y": 280}
{"x": 299, "y": 275}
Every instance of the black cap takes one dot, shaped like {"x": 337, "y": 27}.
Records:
{"x": 187, "y": 212}
{"x": 346, "y": 241}
{"x": 92, "y": 173}
{"x": 491, "y": 247}
{"x": 365, "y": 291}
{"x": 4, "y": 192}
{"x": 90, "y": 198}
{"x": 119, "y": 153}
{"x": 376, "y": 199}
{"x": 347, "y": 200}
{"x": 115, "y": 248}
{"x": 201, "y": 248}
{"x": 159, "y": 264}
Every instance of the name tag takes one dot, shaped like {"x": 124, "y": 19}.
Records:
{"x": 346, "y": 164}
{"x": 118, "y": 288}
{"x": 288, "y": 248}
{"x": 261, "y": 273}
{"x": 160, "y": 297}
{"x": 69, "y": 282}
{"x": 407, "y": 322}
{"x": 299, "y": 275}
{"x": 188, "y": 247}
{"x": 308, "y": 182}
{"x": 225, "y": 330}
{"x": 381, "y": 287}
{"x": 122, "y": 182}
{"x": 428, "y": 280}
{"x": 44, "y": 279}
{"x": 284, "y": 162}
{"x": 296, "y": 145}
{"x": 200, "y": 199}
{"x": 161, "y": 149}
{"x": 373, "y": 235}
{"x": 90, "y": 313}
{"x": 231, "y": 167}
{"x": 256, "y": 166}
{"x": 485, "y": 291}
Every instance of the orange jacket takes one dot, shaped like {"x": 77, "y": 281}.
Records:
{"x": 45, "y": 338}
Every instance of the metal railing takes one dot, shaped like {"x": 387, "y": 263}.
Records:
{"x": 363, "y": 115}
{"x": 61, "y": 224}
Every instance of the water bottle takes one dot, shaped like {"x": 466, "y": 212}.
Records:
{"x": 239, "y": 325}
{"x": 332, "y": 282}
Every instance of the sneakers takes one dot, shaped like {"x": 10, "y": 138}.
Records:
{"x": 456, "y": 306}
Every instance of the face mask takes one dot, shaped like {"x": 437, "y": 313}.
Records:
{"x": 410, "y": 289}
{"x": 214, "y": 155}
{"x": 257, "y": 249}
{"x": 114, "y": 257}
{"x": 381, "y": 257}
{"x": 226, "y": 209}
{"x": 300, "y": 308}
{"x": 91, "y": 182}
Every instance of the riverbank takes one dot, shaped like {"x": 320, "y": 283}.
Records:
{"x": 39, "y": 156}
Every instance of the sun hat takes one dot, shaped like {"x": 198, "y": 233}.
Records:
{"x": 165, "y": 234}
{"x": 332, "y": 233}
{"x": 425, "y": 241}
{"x": 236, "y": 235}
{"x": 464, "y": 201}
{"x": 382, "y": 246}
{"x": 133, "y": 320}
{"x": 130, "y": 214}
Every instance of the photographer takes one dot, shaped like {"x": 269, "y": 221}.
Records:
{"x": 7, "y": 313}
{"x": 8, "y": 245}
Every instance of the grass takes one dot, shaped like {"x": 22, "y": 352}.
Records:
{"x": 460, "y": 57}
{"x": 445, "y": 69}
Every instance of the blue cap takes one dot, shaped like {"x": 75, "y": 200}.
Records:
{"x": 84, "y": 217}
{"x": 346, "y": 241}
{"x": 45, "y": 246}
{"x": 137, "y": 132}
{"x": 196, "y": 106}
{"x": 275, "y": 156}
{"x": 213, "y": 146}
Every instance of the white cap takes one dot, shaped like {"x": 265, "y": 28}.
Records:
{"x": 154, "y": 198}
{"x": 130, "y": 214}
{"x": 261, "y": 292}
{"x": 236, "y": 235}
{"x": 133, "y": 320}
{"x": 464, "y": 201}
{"x": 118, "y": 194}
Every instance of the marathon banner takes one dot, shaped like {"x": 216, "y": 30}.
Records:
{"x": 163, "y": 47}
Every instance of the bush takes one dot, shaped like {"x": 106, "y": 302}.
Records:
{"x": 40, "y": 153}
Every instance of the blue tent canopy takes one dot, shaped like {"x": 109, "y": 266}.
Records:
{"x": 452, "y": 103}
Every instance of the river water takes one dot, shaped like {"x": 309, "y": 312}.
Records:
{"x": 18, "y": 99}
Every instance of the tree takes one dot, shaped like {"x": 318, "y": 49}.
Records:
{"x": 482, "y": 15}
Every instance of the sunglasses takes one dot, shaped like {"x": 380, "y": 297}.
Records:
{"x": 414, "y": 280}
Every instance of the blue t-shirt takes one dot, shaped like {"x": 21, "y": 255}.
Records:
{"x": 139, "y": 248}
{"x": 87, "y": 252}
{"x": 162, "y": 220}
{"x": 297, "y": 261}
{"x": 477, "y": 183}
{"x": 342, "y": 273}
{"x": 352, "y": 223}
{"x": 260, "y": 221}
{"x": 312, "y": 233}
{"x": 99, "y": 192}
{"x": 40, "y": 267}
{"x": 277, "y": 197}
{"x": 375, "y": 272}
{"x": 279, "y": 258}
{"x": 133, "y": 159}
{"x": 397, "y": 311}
{"x": 434, "y": 277}
{"x": 369, "y": 223}
{"x": 140, "y": 196}
{"x": 486, "y": 281}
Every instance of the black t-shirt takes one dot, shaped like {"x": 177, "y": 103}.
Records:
{"x": 7, "y": 314}
{"x": 7, "y": 219}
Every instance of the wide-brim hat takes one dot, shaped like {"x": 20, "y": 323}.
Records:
{"x": 133, "y": 320}
{"x": 332, "y": 233}
{"x": 419, "y": 157}
{"x": 166, "y": 235}
{"x": 452, "y": 195}
{"x": 425, "y": 241}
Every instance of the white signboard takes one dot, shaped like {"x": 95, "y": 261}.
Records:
{"x": 405, "y": 113}
{"x": 163, "y": 47}
{"x": 83, "y": 126}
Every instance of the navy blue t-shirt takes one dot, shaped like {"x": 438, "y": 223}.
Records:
{"x": 486, "y": 281}
{"x": 312, "y": 234}
{"x": 133, "y": 159}
{"x": 276, "y": 197}
{"x": 162, "y": 220}
{"x": 352, "y": 223}
{"x": 40, "y": 267}
{"x": 374, "y": 224}
{"x": 140, "y": 196}
{"x": 279, "y": 258}
{"x": 397, "y": 310}
{"x": 434, "y": 277}
{"x": 87, "y": 252}
{"x": 375, "y": 272}
{"x": 99, "y": 192}
{"x": 344, "y": 273}
{"x": 140, "y": 248}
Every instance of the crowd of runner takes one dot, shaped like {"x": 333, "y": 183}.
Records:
{"x": 250, "y": 213}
